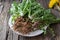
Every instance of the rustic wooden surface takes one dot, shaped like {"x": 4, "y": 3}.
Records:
{"x": 7, "y": 34}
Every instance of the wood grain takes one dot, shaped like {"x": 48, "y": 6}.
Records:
{"x": 10, "y": 35}
{"x": 56, "y": 13}
{"x": 15, "y": 36}
{"x": 4, "y": 22}
{"x": 1, "y": 7}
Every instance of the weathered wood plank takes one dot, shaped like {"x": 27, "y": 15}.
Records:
{"x": 20, "y": 37}
{"x": 1, "y": 21}
{"x": 17, "y": 0}
{"x": 1, "y": 8}
{"x": 15, "y": 36}
{"x": 44, "y": 3}
{"x": 7, "y": 1}
{"x": 58, "y": 38}
{"x": 40, "y": 37}
{"x": 23, "y": 38}
{"x": 11, "y": 1}
{"x": 56, "y": 13}
{"x": 47, "y": 3}
{"x": 20, "y": 0}
{"x": 57, "y": 29}
{"x": 10, "y": 35}
{"x": 0, "y": 0}
{"x": 4, "y": 22}
{"x": 37, "y": 38}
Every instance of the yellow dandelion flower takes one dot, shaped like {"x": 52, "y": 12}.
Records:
{"x": 52, "y": 3}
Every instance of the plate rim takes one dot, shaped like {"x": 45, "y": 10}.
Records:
{"x": 9, "y": 23}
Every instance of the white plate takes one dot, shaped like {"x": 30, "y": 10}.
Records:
{"x": 31, "y": 34}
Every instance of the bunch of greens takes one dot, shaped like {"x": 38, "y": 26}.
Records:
{"x": 34, "y": 11}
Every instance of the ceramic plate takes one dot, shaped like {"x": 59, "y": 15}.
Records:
{"x": 31, "y": 34}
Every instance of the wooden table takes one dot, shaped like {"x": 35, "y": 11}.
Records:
{"x": 7, "y": 34}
